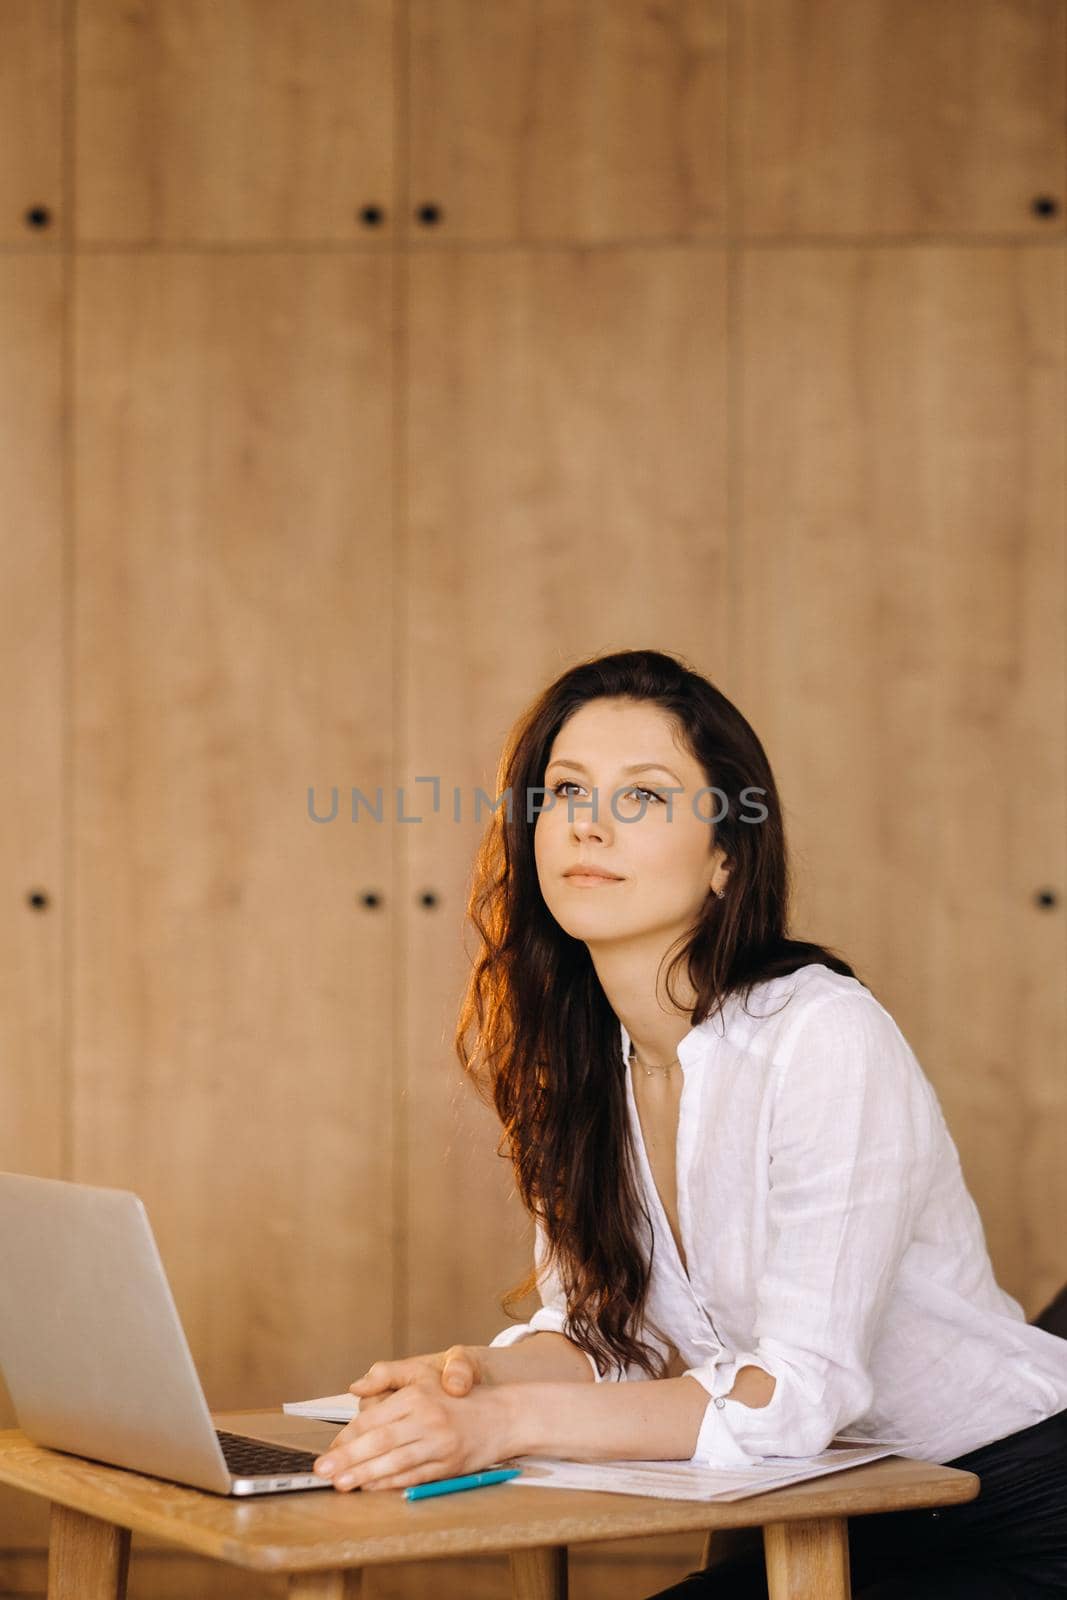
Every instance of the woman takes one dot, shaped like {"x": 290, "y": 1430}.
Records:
{"x": 742, "y": 1185}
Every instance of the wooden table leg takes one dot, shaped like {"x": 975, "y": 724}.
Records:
{"x": 346, "y": 1584}
{"x": 539, "y": 1574}
{"x": 88, "y": 1559}
{"x": 807, "y": 1560}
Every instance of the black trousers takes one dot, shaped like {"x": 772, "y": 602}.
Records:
{"x": 1008, "y": 1544}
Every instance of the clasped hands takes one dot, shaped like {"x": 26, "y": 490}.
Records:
{"x": 424, "y": 1417}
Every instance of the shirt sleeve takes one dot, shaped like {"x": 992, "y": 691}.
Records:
{"x": 851, "y": 1141}
{"x": 552, "y": 1315}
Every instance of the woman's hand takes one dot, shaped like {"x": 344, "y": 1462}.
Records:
{"x": 456, "y": 1369}
{"x": 417, "y": 1432}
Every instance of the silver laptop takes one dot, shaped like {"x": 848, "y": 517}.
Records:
{"x": 94, "y": 1353}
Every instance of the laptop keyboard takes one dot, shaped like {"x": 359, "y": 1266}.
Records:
{"x": 253, "y": 1458}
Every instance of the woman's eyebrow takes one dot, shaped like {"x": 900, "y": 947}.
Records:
{"x": 638, "y": 766}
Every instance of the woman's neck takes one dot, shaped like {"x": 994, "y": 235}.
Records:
{"x": 656, "y": 1026}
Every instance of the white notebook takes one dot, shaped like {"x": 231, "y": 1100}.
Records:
{"x": 328, "y": 1408}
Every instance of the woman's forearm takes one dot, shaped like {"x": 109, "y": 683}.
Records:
{"x": 539, "y": 1358}
{"x": 655, "y": 1420}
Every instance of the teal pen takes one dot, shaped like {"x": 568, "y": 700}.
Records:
{"x": 473, "y": 1480}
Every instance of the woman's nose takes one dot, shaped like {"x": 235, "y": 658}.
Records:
{"x": 586, "y": 826}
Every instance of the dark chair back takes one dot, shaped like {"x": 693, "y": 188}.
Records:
{"x": 1054, "y": 1316}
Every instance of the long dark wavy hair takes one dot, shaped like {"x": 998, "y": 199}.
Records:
{"x": 536, "y": 1033}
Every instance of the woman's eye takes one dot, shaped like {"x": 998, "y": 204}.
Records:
{"x": 567, "y": 783}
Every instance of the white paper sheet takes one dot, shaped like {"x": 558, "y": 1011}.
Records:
{"x": 681, "y": 1480}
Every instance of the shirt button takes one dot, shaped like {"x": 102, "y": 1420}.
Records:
{"x": 720, "y": 1402}
{"x": 934, "y": 1515}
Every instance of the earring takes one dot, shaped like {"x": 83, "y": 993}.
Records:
{"x": 721, "y": 893}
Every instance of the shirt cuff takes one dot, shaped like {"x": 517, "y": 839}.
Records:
{"x": 716, "y": 1444}
{"x": 547, "y": 1320}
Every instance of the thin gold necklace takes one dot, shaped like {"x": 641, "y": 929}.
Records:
{"x": 650, "y": 1070}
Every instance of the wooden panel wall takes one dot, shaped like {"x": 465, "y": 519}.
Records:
{"x": 34, "y": 943}
{"x": 33, "y": 110}
{"x": 232, "y": 997}
{"x": 585, "y": 121}
{"x": 239, "y": 121}
{"x": 346, "y": 349}
{"x": 909, "y": 522}
{"x": 898, "y": 118}
{"x": 219, "y": 1035}
{"x": 566, "y": 493}
{"x": 32, "y": 673}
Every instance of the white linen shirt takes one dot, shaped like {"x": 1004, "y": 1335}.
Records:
{"x": 830, "y": 1239}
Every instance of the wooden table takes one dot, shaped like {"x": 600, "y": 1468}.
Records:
{"x": 323, "y": 1539}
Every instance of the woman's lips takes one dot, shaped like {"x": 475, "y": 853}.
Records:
{"x": 586, "y": 880}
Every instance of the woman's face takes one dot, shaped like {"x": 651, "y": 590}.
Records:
{"x": 625, "y": 754}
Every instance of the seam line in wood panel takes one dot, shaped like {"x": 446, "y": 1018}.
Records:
{"x": 735, "y": 197}
{"x": 838, "y": 241}
{"x": 67, "y": 853}
{"x": 403, "y": 998}
{"x": 734, "y": 440}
